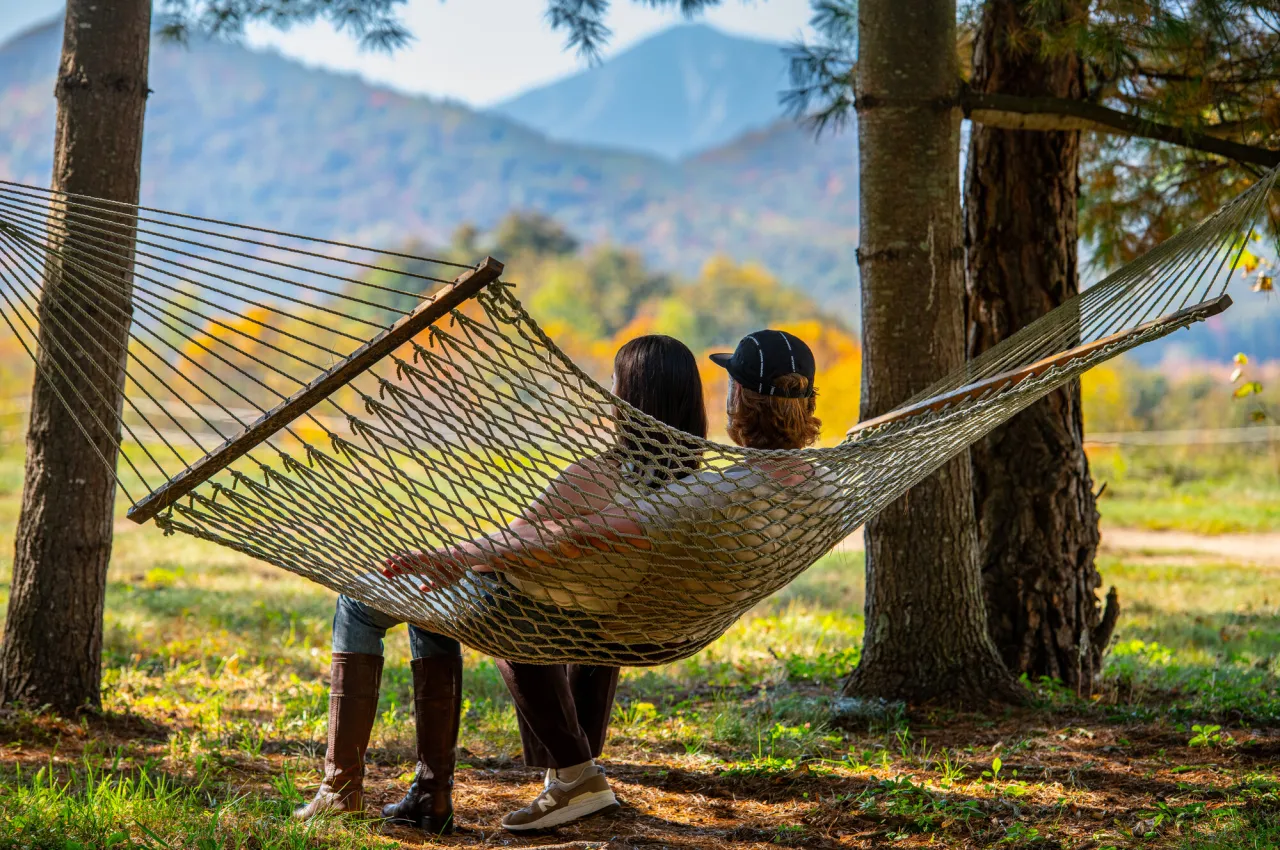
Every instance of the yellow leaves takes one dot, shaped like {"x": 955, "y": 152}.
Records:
{"x": 1104, "y": 398}
{"x": 309, "y": 431}
{"x": 227, "y": 333}
{"x": 1247, "y": 389}
{"x": 591, "y": 353}
{"x": 744, "y": 275}
{"x": 1249, "y": 262}
{"x": 1241, "y": 360}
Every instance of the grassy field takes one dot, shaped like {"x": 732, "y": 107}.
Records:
{"x": 216, "y": 700}
{"x": 1207, "y": 490}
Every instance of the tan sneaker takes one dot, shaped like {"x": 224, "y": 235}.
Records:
{"x": 562, "y": 802}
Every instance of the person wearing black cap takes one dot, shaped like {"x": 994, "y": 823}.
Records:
{"x": 772, "y": 397}
{"x": 764, "y": 357}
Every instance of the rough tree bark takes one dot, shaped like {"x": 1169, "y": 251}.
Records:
{"x": 926, "y": 636}
{"x": 53, "y": 634}
{"x": 1037, "y": 520}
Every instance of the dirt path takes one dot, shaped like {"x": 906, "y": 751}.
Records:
{"x": 1243, "y": 548}
{"x": 1248, "y": 548}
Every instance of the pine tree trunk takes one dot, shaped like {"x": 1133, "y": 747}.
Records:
{"x": 1037, "y": 519}
{"x": 926, "y": 635}
{"x": 52, "y": 652}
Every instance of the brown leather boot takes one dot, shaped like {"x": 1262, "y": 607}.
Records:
{"x": 437, "y": 711}
{"x": 353, "y": 705}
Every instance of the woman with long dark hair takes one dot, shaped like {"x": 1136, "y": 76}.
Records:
{"x": 564, "y": 710}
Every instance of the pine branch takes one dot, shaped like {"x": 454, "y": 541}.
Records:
{"x": 1011, "y": 112}
{"x": 583, "y": 20}
{"x": 375, "y": 24}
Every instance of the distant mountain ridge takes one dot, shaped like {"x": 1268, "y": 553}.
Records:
{"x": 681, "y": 92}
{"x": 257, "y": 138}
{"x": 254, "y": 137}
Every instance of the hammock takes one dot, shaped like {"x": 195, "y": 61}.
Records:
{"x": 297, "y": 400}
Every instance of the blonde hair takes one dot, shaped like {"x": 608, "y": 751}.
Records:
{"x": 771, "y": 422}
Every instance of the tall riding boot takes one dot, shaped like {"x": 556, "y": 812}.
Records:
{"x": 353, "y": 705}
{"x": 437, "y": 711}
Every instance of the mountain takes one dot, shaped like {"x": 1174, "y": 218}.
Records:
{"x": 1251, "y": 326}
{"x": 686, "y": 90}
{"x": 250, "y": 136}
{"x": 253, "y": 137}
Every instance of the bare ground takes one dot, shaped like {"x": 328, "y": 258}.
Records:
{"x": 1085, "y": 784}
{"x": 1241, "y": 548}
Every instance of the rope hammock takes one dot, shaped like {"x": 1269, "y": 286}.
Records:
{"x": 299, "y": 401}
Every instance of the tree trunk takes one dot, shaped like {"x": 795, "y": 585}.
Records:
{"x": 1037, "y": 519}
{"x": 926, "y": 635}
{"x": 52, "y": 652}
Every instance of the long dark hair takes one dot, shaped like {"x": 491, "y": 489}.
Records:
{"x": 659, "y": 375}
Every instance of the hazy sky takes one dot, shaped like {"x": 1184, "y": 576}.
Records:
{"x": 482, "y": 51}
{"x": 478, "y": 51}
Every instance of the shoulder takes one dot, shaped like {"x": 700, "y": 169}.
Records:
{"x": 592, "y": 467}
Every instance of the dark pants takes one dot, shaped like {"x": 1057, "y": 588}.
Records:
{"x": 563, "y": 710}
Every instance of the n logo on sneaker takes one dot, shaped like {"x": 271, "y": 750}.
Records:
{"x": 547, "y": 802}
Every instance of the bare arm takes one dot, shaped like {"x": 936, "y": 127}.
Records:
{"x": 524, "y": 545}
{"x": 574, "y": 511}
{"x": 581, "y": 488}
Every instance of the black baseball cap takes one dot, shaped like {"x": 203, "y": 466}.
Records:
{"x": 763, "y": 357}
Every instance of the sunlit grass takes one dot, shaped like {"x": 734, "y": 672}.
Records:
{"x": 1204, "y": 636}
{"x": 106, "y": 808}
{"x": 1211, "y": 490}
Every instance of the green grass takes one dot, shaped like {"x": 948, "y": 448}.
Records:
{"x": 1207, "y": 491}
{"x": 227, "y": 657}
{"x": 148, "y": 808}
{"x": 216, "y": 701}
{"x": 1202, "y": 637}
{"x": 1199, "y": 507}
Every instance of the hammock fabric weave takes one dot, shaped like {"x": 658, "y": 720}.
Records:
{"x": 274, "y": 405}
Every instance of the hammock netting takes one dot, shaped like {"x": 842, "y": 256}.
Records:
{"x": 258, "y": 415}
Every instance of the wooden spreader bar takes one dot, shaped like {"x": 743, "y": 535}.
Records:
{"x": 465, "y": 286}
{"x": 979, "y": 388}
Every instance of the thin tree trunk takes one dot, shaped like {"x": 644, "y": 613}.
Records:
{"x": 926, "y": 635}
{"x": 52, "y": 652}
{"x": 1037, "y": 519}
